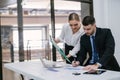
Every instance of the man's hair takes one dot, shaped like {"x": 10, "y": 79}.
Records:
{"x": 88, "y": 20}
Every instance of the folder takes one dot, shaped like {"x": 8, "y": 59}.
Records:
{"x": 59, "y": 49}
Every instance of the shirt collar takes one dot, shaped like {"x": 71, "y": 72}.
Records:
{"x": 93, "y": 34}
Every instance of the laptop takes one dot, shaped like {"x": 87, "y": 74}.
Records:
{"x": 50, "y": 64}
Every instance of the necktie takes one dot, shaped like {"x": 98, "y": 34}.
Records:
{"x": 94, "y": 53}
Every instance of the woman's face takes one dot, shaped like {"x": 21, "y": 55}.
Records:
{"x": 75, "y": 25}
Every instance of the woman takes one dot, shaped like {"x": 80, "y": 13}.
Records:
{"x": 70, "y": 35}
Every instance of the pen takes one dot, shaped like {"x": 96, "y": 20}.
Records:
{"x": 74, "y": 59}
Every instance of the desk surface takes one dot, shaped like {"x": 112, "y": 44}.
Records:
{"x": 36, "y": 71}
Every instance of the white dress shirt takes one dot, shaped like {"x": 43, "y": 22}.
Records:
{"x": 71, "y": 39}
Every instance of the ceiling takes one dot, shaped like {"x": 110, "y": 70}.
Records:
{"x": 4, "y": 3}
{"x": 42, "y": 6}
{"x": 59, "y": 4}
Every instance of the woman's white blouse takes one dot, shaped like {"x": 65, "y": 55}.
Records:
{"x": 71, "y": 39}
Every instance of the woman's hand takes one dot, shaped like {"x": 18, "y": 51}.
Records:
{"x": 56, "y": 40}
{"x": 69, "y": 55}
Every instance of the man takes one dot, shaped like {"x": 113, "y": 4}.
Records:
{"x": 99, "y": 44}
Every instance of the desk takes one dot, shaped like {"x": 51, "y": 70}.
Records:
{"x": 36, "y": 71}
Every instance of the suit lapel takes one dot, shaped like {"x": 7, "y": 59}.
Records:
{"x": 88, "y": 43}
{"x": 97, "y": 37}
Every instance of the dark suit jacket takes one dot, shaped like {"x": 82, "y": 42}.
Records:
{"x": 105, "y": 46}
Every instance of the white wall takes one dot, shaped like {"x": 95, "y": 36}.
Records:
{"x": 107, "y": 14}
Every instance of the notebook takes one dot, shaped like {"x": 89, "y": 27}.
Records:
{"x": 59, "y": 49}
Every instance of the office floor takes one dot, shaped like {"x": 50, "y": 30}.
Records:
{"x": 10, "y": 75}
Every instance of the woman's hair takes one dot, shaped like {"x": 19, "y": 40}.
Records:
{"x": 74, "y": 16}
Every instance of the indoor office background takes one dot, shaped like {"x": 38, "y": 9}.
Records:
{"x": 26, "y": 25}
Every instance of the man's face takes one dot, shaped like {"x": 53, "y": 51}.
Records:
{"x": 89, "y": 29}
{"x": 75, "y": 25}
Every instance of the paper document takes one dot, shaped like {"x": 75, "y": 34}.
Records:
{"x": 59, "y": 49}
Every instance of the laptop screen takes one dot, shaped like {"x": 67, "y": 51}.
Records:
{"x": 49, "y": 64}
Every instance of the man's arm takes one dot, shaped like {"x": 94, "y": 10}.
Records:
{"x": 109, "y": 48}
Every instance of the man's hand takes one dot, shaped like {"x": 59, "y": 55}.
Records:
{"x": 91, "y": 67}
{"x": 75, "y": 63}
